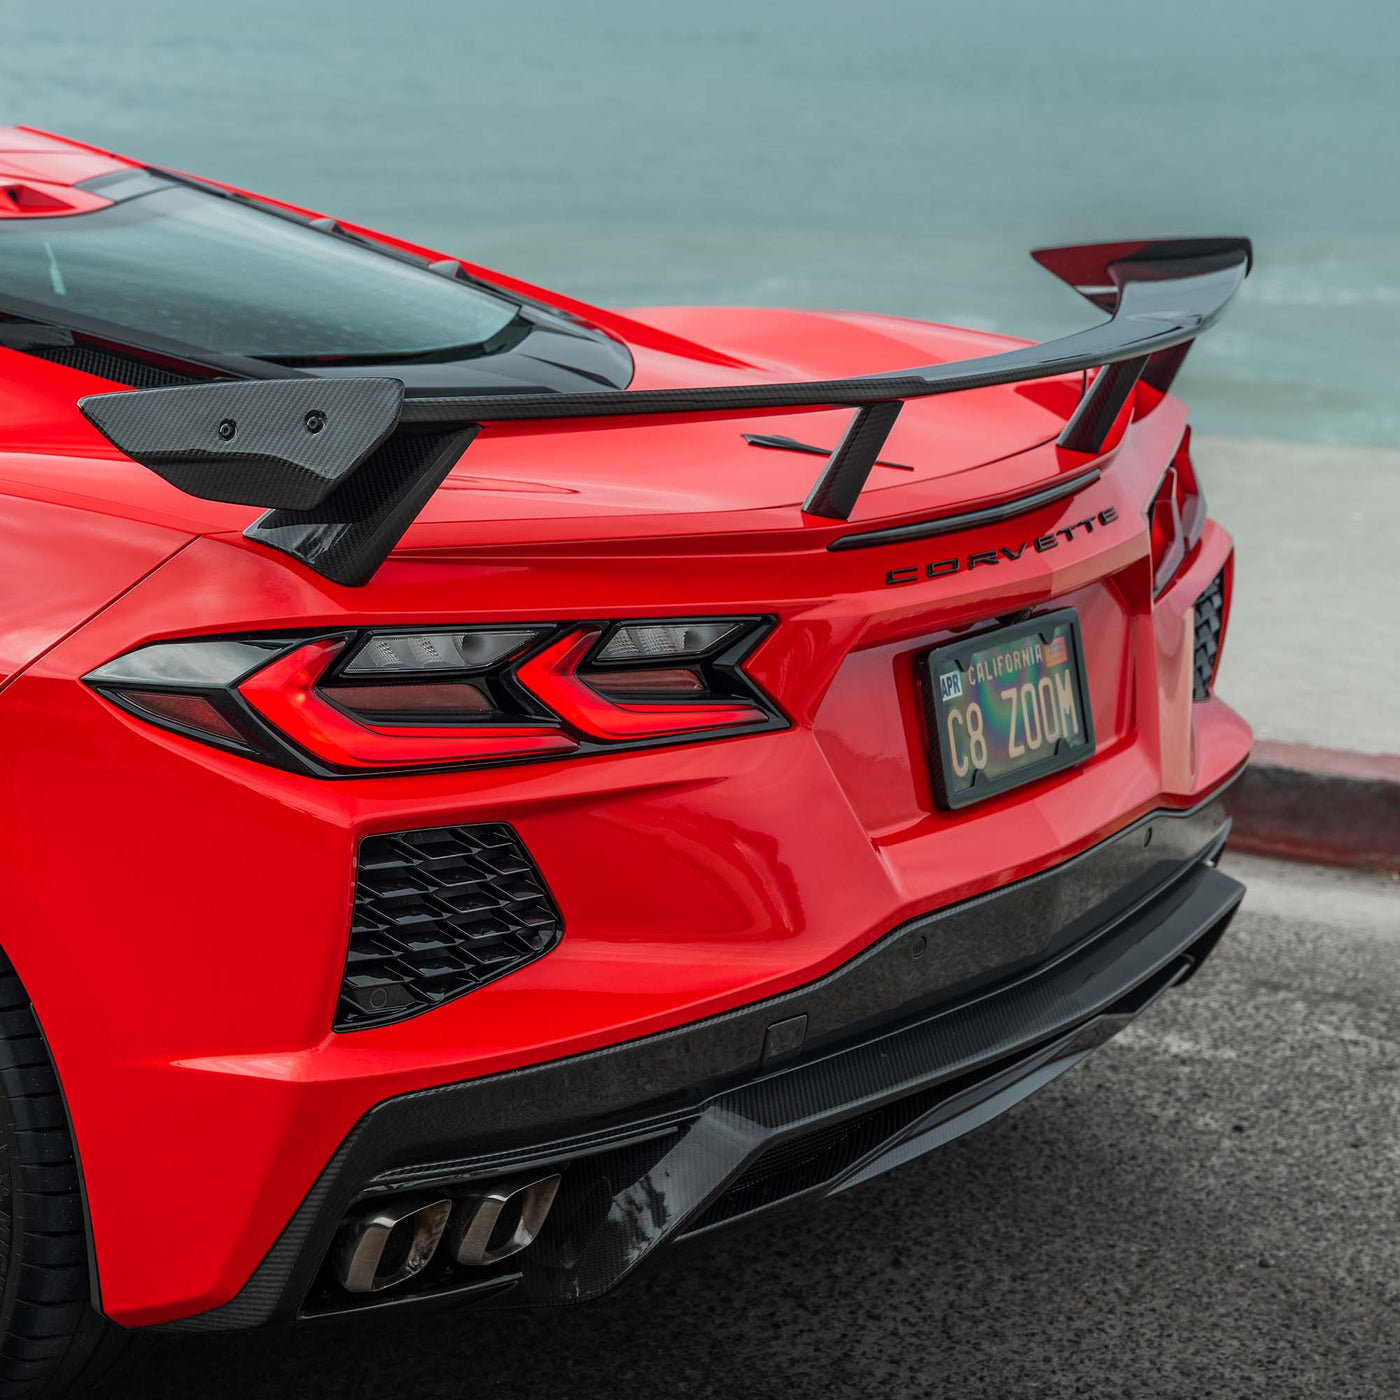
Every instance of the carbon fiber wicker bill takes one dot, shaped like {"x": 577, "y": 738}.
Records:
{"x": 285, "y": 443}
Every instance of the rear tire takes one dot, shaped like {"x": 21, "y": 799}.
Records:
{"x": 51, "y": 1337}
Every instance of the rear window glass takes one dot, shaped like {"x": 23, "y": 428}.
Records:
{"x": 217, "y": 275}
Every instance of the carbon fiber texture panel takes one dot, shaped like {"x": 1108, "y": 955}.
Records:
{"x": 493, "y": 408}
{"x": 1159, "y": 305}
{"x": 285, "y": 443}
{"x": 110, "y": 364}
{"x": 953, "y": 1048}
{"x": 1089, "y": 424}
{"x": 836, "y": 490}
{"x": 348, "y": 536}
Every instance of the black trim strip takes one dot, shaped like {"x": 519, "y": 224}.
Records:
{"x": 789, "y": 444}
{"x": 969, "y": 519}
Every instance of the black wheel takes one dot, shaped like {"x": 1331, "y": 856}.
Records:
{"x": 51, "y": 1338}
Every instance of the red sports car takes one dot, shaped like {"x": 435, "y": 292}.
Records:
{"x": 500, "y": 787}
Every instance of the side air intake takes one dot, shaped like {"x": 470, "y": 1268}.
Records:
{"x": 439, "y": 913}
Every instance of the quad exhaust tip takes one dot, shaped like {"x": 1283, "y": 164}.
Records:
{"x": 385, "y": 1245}
{"x": 390, "y": 1244}
{"x": 503, "y": 1220}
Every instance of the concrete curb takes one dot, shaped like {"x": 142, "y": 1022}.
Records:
{"x": 1323, "y": 806}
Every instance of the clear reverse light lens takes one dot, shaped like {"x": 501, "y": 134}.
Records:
{"x": 650, "y": 642}
{"x": 186, "y": 663}
{"x": 406, "y": 653}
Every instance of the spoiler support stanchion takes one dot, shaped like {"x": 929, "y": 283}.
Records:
{"x": 834, "y": 493}
{"x": 1089, "y": 424}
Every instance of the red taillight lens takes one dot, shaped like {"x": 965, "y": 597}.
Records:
{"x": 412, "y": 701}
{"x": 285, "y": 695}
{"x": 1168, "y": 543}
{"x": 1190, "y": 500}
{"x": 676, "y": 683}
{"x": 1177, "y": 516}
{"x": 190, "y": 712}
{"x": 554, "y": 677}
{"x": 383, "y": 700}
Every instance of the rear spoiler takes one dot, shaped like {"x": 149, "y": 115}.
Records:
{"x": 345, "y": 465}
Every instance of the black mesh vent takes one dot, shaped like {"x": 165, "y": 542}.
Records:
{"x": 439, "y": 913}
{"x": 1210, "y": 619}
{"x": 109, "y": 364}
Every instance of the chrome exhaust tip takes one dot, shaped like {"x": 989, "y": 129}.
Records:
{"x": 503, "y": 1219}
{"x": 389, "y": 1244}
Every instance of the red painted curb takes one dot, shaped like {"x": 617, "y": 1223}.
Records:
{"x": 1324, "y": 806}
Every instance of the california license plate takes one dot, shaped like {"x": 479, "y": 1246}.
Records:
{"x": 1007, "y": 707}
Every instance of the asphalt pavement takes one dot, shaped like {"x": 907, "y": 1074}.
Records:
{"x": 1209, "y": 1207}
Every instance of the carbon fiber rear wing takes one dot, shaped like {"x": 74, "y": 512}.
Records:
{"x": 345, "y": 465}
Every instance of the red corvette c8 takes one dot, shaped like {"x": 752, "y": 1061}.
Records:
{"x": 500, "y": 787}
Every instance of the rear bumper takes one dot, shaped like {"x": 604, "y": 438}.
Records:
{"x": 187, "y": 981}
{"x": 794, "y": 1097}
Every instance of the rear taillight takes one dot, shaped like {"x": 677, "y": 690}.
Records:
{"x": 289, "y": 696}
{"x": 558, "y": 676}
{"x": 385, "y": 701}
{"x": 1176, "y": 516}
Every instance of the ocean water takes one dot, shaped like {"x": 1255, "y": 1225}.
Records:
{"x": 893, "y": 155}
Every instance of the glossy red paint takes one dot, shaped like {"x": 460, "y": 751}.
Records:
{"x": 179, "y": 914}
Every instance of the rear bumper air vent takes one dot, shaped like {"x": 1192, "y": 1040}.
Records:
{"x": 1210, "y": 624}
{"x": 439, "y": 913}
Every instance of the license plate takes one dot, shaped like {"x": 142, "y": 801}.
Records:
{"x": 1007, "y": 707}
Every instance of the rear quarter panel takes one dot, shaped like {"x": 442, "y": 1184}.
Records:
{"x": 60, "y": 566}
